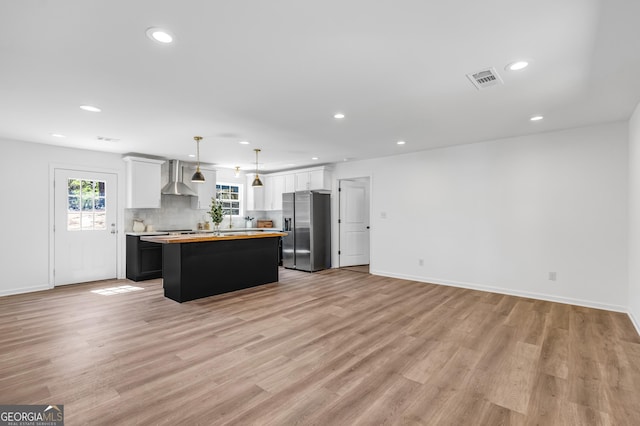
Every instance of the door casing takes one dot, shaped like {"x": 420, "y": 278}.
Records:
{"x": 120, "y": 248}
{"x": 367, "y": 184}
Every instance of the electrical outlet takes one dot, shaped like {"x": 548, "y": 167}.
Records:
{"x": 420, "y": 262}
{"x": 553, "y": 276}
{"x": 383, "y": 215}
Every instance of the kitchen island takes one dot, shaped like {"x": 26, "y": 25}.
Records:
{"x": 202, "y": 265}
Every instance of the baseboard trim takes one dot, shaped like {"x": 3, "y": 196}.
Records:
{"x": 634, "y": 321}
{"x": 23, "y": 290}
{"x": 510, "y": 292}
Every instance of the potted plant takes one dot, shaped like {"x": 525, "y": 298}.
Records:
{"x": 216, "y": 214}
{"x": 248, "y": 222}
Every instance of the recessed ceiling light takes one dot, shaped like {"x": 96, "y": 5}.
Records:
{"x": 401, "y": 142}
{"x": 192, "y": 155}
{"x": 58, "y": 135}
{"x": 517, "y": 66}
{"x": 90, "y": 108}
{"x": 536, "y": 118}
{"x": 244, "y": 142}
{"x": 290, "y": 164}
{"x": 159, "y": 35}
{"x": 338, "y": 115}
{"x": 314, "y": 158}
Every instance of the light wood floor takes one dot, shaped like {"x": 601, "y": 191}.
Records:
{"x": 330, "y": 348}
{"x": 359, "y": 268}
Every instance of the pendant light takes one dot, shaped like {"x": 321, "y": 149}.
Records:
{"x": 257, "y": 181}
{"x": 237, "y": 172}
{"x": 197, "y": 177}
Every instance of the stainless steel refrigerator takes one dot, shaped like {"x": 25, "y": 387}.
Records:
{"x": 307, "y": 219}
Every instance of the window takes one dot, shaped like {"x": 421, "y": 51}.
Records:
{"x": 231, "y": 197}
{"x": 86, "y": 205}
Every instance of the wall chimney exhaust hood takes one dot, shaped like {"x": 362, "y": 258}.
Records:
{"x": 176, "y": 185}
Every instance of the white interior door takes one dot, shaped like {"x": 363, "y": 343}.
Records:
{"x": 354, "y": 223}
{"x": 85, "y": 238}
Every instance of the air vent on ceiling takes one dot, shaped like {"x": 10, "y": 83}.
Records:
{"x": 485, "y": 78}
{"x": 105, "y": 139}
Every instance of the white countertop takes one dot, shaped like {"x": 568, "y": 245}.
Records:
{"x": 145, "y": 234}
{"x": 208, "y": 231}
{"x": 242, "y": 229}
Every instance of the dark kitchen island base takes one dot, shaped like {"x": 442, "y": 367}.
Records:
{"x": 200, "y": 269}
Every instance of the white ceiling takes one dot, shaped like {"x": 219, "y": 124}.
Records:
{"x": 274, "y": 73}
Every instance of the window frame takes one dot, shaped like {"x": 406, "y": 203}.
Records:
{"x": 240, "y": 199}
{"x": 76, "y": 216}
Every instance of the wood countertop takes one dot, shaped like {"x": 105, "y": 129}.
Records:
{"x": 209, "y": 231}
{"x": 199, "y": 238}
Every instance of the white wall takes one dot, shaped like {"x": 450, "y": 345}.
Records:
{"x": 501, "y": 215}
{"x": 24, "y": 215}
{"x": 634, "y": 218}
{"x": 496, "y": 215}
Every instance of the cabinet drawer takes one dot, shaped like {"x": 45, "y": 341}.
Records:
{"x": 149, "y": 245}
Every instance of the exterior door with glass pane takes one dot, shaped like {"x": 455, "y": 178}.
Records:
{"x": 85, "y": 239}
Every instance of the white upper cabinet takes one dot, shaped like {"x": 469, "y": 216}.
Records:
{"x": 278, "y": 183}
{"x": 313, "y": 179}
{"x": 302, "y": 181}
{"x": 268, "y": 192}
{"x": 273, "y": 189}
{"x": 254, "y": 194}
{"x": 269, "y": 197}
{"x": 143, "y": 183}
{"x": 319, "y": 179}
{"x": 271, "y": 193}
{"x": 205, "y": 190}
{"x": 289, "y": 182}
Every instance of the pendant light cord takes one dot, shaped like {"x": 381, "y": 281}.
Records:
{"x": 257, "y": 151}
{"x": 257, "y": 181}
{"x": 197, "y": 138}
{"x": 198, "y": 177}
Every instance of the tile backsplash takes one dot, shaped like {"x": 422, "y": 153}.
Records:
{"x": 176, "y": 213}
{"x": 274, "y": 215}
